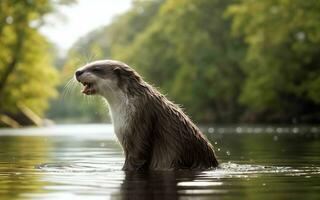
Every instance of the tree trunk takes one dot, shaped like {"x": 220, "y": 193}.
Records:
{"x": 16, "y": 56}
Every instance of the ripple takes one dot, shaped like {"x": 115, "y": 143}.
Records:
{"x": 78, "y": 167}
{"x": 233, "y": 170}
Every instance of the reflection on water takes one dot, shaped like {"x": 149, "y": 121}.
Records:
{"x": 84, "y": 162}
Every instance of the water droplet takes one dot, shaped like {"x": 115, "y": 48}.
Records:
{"x": 228, "y": 153}
{"x": 218, "y": 149}
{"x": 295, "y": 130}
{"x": 239, "y": 130}
{"x": 275, "y": 138}
{"x": 211, "y": 130}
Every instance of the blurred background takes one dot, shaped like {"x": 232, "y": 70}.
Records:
{"x": 224, "y": 61}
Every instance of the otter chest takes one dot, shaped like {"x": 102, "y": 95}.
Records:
{"x": 120, "y": 116}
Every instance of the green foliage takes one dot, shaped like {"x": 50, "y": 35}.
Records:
{"x": 99, "y": 44}
{"x": 224, "y": 61}
{"x": 34, "y": 78}
{"x": 188, "y": 52}
{"x": 72, "y": 106}
{"x": 282, "y": 62}
{"x": 26, "y": 73}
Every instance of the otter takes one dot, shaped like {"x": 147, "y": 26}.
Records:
{"x": 154, "y": 133}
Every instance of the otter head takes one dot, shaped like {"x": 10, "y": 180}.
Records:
{"x": 106, "y": 77}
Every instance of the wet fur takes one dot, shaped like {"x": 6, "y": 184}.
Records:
{"x": 154, "y": 133}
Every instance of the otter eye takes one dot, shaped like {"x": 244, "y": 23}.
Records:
{"x": 96, "y": 69}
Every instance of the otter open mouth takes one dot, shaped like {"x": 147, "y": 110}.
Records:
{"x": 88, "y": 88}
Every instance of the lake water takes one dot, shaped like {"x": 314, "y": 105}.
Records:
{"x": 84, "y": 162}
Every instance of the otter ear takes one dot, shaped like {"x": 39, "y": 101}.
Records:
{"x": 117, "y": 71}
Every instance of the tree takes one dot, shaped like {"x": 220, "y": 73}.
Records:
{"x": 101, "y": 43}
{"x": 26, "y": 74}
{"x": 225, "y": 61}
{"x": 188, "y": 52}
{"x": 283, "y": 59}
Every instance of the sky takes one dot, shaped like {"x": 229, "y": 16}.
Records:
{"x": 74, "y": 21}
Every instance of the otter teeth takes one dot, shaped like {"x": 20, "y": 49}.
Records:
{"x": 86, "y": 84}
{"x": 88, "y": 89}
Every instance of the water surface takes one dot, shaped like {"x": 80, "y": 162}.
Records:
{"x": 84, "y": 162}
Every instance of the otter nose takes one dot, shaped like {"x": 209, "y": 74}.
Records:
{"x": 78, "y": 73}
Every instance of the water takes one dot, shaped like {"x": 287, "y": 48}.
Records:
{"x": 84, "y": 162}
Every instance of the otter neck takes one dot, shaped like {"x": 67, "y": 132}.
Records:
{"x": 115, "y": 98}
{"x": 120, "y": 109}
